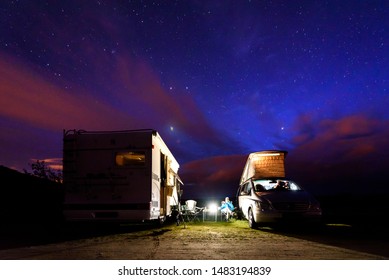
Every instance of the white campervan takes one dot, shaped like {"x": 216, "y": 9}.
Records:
{"x": 266, "y": 196}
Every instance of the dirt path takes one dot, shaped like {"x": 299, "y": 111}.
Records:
{"x": 199, "y": 241}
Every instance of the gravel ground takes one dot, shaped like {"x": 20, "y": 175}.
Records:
{"x": 197, "y": 241}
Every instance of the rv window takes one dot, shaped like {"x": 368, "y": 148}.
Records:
{"x": 130, "y": 159}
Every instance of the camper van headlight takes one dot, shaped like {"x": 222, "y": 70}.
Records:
{"x": 263, "y": 204}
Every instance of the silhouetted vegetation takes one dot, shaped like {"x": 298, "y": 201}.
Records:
{"x": 41, "y": 170}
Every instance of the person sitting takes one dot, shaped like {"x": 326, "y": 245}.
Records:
{"x": 280, "y": 186}
{"x": 259, "y": 188}
{"x": 227, "y": 208}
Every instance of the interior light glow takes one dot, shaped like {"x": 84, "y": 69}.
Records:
{"x": 266, "y": 155}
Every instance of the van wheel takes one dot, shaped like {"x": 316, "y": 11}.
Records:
{"x": 252, "y": 223}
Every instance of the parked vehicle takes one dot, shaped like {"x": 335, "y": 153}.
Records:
{"x": 266, "y": 196}
{"x": 118, "y": 176}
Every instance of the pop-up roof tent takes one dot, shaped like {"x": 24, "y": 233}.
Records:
{"x": 264, "y": 164}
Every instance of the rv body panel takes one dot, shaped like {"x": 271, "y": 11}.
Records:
{"x": 118, "y": 175}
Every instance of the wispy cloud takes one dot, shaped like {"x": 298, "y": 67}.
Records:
{"x": 136, "y": 100}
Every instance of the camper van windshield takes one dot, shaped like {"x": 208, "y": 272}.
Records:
{"x": 130, "y": 158}
{"x": 270, "y": 185}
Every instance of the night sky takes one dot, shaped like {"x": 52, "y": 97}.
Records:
{"x": 217, "y": 79}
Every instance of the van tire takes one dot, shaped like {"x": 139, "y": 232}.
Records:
{"x": 252, "y": 223}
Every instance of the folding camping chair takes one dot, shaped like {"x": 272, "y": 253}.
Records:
{"x": 192, "y": 211}
{"x": 227, "y": 215}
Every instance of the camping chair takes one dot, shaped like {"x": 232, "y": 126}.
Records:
{"x": 226, "y": 215}
{"x": 192, "y": 211}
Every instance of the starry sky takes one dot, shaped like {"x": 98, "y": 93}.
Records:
{"x": 217, "y": 79}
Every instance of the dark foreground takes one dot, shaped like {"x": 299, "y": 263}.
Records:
{"x": 206, "y": 240}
